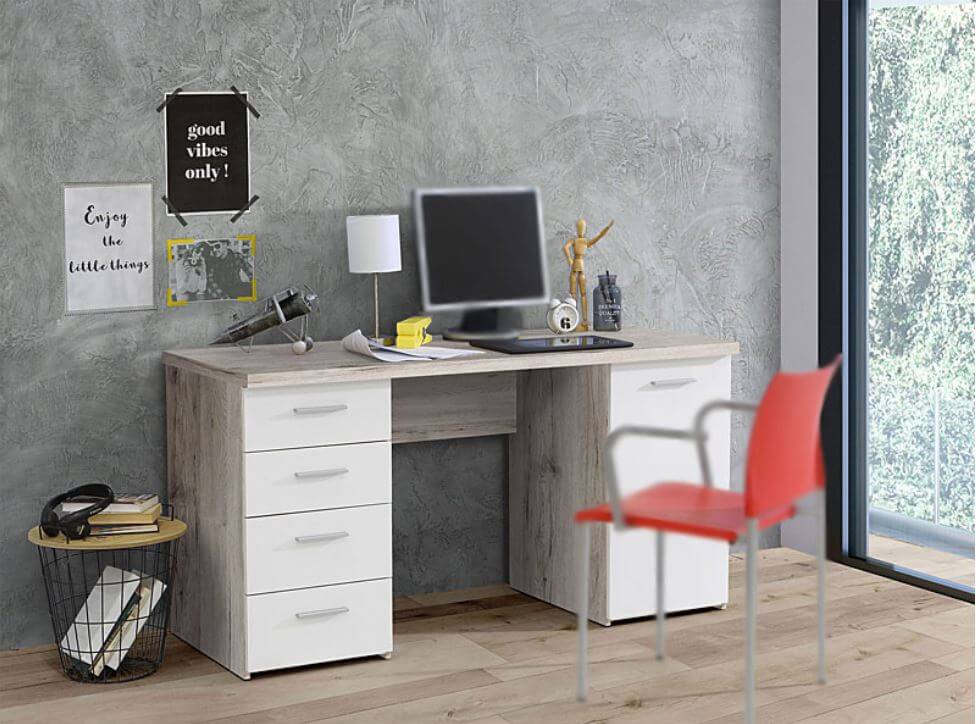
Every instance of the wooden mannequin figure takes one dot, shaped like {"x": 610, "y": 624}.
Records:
{"x": 577, "y": 274}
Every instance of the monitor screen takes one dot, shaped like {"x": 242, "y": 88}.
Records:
{"x": 480, "y": 247}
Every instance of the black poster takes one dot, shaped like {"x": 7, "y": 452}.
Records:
{"x": 207, "y": 156}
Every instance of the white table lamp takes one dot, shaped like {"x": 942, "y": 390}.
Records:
{"x": 374, "y": 248}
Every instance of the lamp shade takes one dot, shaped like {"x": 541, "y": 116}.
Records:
{"x": 374, "y": 243}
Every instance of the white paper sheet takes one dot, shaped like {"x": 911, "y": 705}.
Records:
{"x": 357, "y": 343}
{"x": 426, "y": 351}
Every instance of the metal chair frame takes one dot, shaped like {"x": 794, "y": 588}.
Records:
{"x": 699, "y": 437}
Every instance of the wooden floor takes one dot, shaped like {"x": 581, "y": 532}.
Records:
{"x": 927, "y": 560}
{"x": 895, "y": 654}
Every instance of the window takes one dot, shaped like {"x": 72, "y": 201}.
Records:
{"x": 897, "y": 276}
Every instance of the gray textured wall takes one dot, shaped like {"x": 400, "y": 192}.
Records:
{"x": 663, "y": 115}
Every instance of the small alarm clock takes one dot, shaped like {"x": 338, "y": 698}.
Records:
{"x": 563, "y": 316}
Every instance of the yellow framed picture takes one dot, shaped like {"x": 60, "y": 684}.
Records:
{"x": 209, "y": 270}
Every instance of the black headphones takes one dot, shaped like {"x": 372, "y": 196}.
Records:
{"x": 75, "y": 525}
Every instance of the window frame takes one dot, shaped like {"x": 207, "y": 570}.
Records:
{"x": 842, "y": 300}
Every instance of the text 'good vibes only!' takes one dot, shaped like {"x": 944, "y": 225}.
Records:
{"x": 203, "y": 149}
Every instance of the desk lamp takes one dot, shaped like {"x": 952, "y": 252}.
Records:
{"x": 374, "y": 248}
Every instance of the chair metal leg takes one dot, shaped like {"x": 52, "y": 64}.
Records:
{"x": 582, "y": 609}
{"x": 661, "y": 611}
{"x": 752, "y": 564}
{"x": 821, "y": 587}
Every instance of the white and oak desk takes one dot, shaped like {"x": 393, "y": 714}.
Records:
{"x": 281, "y": 467}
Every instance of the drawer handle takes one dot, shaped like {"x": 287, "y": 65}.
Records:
{"x": 321, "y": 537}
{"x": 327, "y": 473}
{"x": 319, "y": 410}
{"x": 673, "y": 382}
{"x": 322, "y": 612}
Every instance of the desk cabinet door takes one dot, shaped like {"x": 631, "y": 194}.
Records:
{"x": 667, "y": 395}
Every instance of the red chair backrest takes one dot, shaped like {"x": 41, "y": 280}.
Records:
{"x": 785, "y": 460}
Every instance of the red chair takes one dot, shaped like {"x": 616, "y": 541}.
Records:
{"x": 784, "y": 464}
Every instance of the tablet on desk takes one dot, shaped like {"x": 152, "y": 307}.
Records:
{"x": 551, "y": 344}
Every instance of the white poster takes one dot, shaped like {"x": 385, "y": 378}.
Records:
{"x": 108, "y": 248}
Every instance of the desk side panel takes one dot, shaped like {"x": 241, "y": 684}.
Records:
{"x": 556, "y": 468}
{"x": 205, "y": 459}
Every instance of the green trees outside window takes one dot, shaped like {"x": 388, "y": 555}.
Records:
{"x": 921, "y": 183}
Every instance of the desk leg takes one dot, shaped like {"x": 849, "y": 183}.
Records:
{"x": 556, "y": 468}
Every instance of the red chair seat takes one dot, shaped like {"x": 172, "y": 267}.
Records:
{"x": 684, "y": 508}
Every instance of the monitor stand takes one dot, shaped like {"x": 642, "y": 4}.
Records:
{"x": 482, "y": 324}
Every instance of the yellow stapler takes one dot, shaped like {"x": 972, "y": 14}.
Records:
{"x": 412, "y": 332}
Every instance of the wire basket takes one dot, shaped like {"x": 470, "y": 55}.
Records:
{"x": 109, "y": 608}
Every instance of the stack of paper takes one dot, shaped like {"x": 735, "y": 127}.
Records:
{"x": 357, "y": 343}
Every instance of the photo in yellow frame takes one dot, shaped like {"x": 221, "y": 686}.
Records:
{"x": 207, "y": 270}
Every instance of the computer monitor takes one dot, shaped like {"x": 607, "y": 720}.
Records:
{"x": 480, "y": 250}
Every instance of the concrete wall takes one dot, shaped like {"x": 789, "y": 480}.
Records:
{"x": 662, "y": 115}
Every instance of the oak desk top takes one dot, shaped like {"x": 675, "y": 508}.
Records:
{"x": 275, "y": 365}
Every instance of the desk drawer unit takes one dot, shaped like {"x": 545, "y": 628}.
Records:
{"x": 317, "y": 478}
{"x": 308, "y": 415}
{"x": 319, "y": 548}
{"x": 314, "y": 625}
{"x": 287, "y": 491}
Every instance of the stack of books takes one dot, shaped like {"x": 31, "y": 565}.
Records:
{"x": 128, "y": 515}
{"x": 106, "y": 627}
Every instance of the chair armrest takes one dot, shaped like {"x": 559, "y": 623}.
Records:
{"x": 613, "y": 438}
{"x": 696, "y": 435}
{"x": 700, "y": 436}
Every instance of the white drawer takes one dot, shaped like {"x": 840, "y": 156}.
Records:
{"x": 669, "y": 395}
{"x": 319, "y": 624}
{"x": 307, "y": 415}
{"x": 316, "y": 478}
{"x": 666, "y": 394}
{"x": 318, "y": 549}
